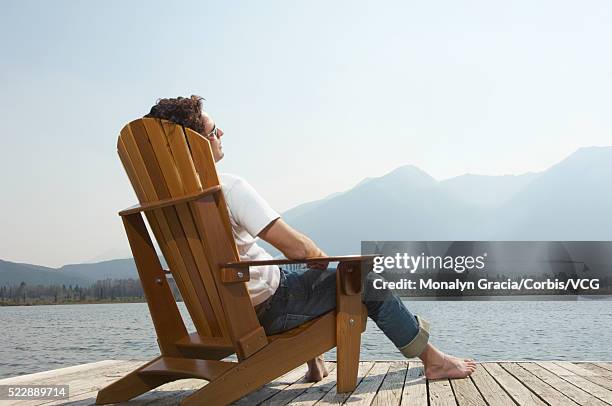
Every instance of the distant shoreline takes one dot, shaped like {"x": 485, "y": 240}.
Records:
{"x": 407, "y": 298}
{"x": 48, "y": 303}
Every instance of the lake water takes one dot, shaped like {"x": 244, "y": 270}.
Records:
{"x": 39, "y": 338}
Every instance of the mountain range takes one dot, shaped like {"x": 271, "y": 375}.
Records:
{"x": 567, "y": 202}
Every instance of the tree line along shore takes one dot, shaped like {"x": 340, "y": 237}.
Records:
{"x": 102, "y": 291}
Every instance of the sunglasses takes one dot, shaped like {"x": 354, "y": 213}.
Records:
{"x": 214, "y": 132}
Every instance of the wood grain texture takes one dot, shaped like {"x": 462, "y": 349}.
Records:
{"x": 399, "y": 386}
{"x": 602, "y": 376}
{"x": 335, "y": 398}
{"x": 599, "y": 371}
{"x": 56, "y": 375}
{"x": 131, "y": 385}
{"x": 519, "y": 392}
{"x": 163, "y": 169}
{"x": 167, "y": 320}
{"x": 134, "y": 165}
{"x": 466, "y": 393}
{"x": 205, "y": 166}
{"x": 390, "y": 392}
{"x": 584, "y": 384}
{"x": 349, "y": 317}
{"x": 317, "y": 391}
{"x": 573, "y": 392}
{"x": 369, "y": 385}
{"x": 188, "y": 368}
{"x": 145, "y": 207}
{"x": 415, "y": 385}
{"x": 441, "y": 393}
{"x": 291, "y": 392}
{"x": 593, "y": 373}
{"x": 87, "y": 378}
{"x": 270, "y": 389}
{"x": 490, "y": 389}
{"x": 604, "y": 365}
{"x": 576, "y": 369}
{"x": 546, "y": 392}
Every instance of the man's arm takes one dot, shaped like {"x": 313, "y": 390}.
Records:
{"x": 292, "y": 243}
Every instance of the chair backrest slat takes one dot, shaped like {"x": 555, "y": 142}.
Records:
{"x": 204, "y": 164}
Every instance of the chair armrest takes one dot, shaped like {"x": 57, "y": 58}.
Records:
{"x": 350, "y": 269}
{"x": 346, "y": 258}
{"x": 144, "y": 207}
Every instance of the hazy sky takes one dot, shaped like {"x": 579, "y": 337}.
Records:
{"x": 313, "y": 96}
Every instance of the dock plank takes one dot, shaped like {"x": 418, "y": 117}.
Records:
{"x": 576, "y": 369}
{"x": 573, "y": 392}
{"x": 415, "y": 385}
{"x": 441, "y": 393}
{"x": 168, "y": 394}
{"x": 519, "y": 392}
{"x": 80, "y": 380}
{"x": 466, "y": 393}
{"x": 317, "y": 391}
{"x": 367, "y": 388}
{"x": 599, "y": 371}
{"x": 49, "y": 376}
{"x": 333, "y": 398}
{"x": 390, "y": 392}
{"x": 295, "y": 389}
{"x": 490, "y": 389}
{"x": 602, "y": 377}
{"x": 604, "y": 365}
{"x": 545, "y": 391}
{"x": 272, "y": 388}
{"x": 171, "y": 393}
{"x": 579, "y": 381}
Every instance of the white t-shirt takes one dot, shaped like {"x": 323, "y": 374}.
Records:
{"x": 249, "y": 214}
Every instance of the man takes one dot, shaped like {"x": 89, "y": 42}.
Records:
{"x": 284, "y": 299}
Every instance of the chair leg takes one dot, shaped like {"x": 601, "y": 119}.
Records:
{"x": 130, "y": 386}
{"x": 350, "y": 322}
{"x": 347, "y": 353}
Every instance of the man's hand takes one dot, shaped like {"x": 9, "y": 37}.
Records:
{"x": 322, "y": 265}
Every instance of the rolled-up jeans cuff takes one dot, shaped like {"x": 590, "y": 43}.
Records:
{"x": 415, "y": 347}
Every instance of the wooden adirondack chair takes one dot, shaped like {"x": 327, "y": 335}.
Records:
{"x": 173, "y": 174}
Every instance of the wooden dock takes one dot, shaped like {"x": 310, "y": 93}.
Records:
{"x": 380, "y": 383}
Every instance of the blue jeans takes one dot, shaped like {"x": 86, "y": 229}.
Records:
{"x": 304, "y": 294}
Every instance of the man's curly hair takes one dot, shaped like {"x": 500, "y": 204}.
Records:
{"x": 181, "y": 110}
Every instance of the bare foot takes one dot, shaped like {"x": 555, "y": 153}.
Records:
{"x": 439, "y": 365}
{"x": 316, "y": 369}
{"x": 450, "y": 367}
